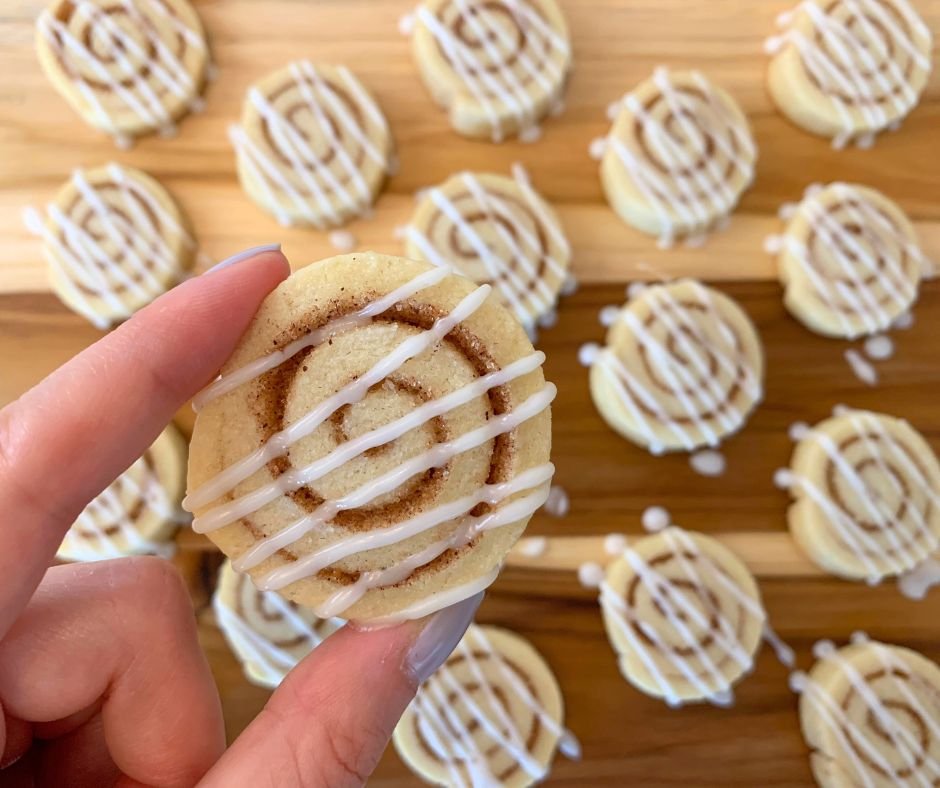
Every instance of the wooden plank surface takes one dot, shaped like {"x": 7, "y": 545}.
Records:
{"x": 627, "y": 738}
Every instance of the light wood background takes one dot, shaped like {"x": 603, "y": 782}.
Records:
{"x": 628, "y": 739}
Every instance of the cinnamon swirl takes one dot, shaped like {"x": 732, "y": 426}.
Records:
{"x": 128, "y": 67}
{"x": 376, "y": 443}
{"x": 849, "y": 260}
{"x": 268, "y": 634}
{"x": 678, "y": 156}
{"x": 495, "y": 230}
{"x": 682, "y": 368}
{"x": 497, "y": 66}
{"x": 490, "y": 716}
{"x": 848, "y": 69}
{"x": 313, "y": 147}
{"x": 866, "y": 490}
{"x": 870, "y": 714}
{"x": 684, "y": 616}
{"x": 138, "y": 512}
{"x": 114, "y": 239}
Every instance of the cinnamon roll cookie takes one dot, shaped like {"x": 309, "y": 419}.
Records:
{"x": 678, "y": 156}
{"x": 682, "y": 368}
{"x": 377, "y": 442}
{"x": 684, "y": 616}
{"x": 497, "y": 66}
{"x": 848, "y": 69}
{"x": 490, "y": 716}
{"x": 268, "y": 634}
{"x": 497, "y": 230}
{"x": 138, "y": 512}
{"x": 849, "y": 260}
{"x": 114, "y": 239}
{"x": 128, "y": 67}
{"x": 866, "y": 490}
{"x": 313, "y": 147}
{"x": 870, "y": 714}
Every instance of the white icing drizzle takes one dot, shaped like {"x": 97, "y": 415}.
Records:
{"x": 311, "y": 184}
{"x": 84, "y": 260}
{"x": 84, "y": 67}
{"x": 343, "y": 240}
{"x": 455, "y": 742}
{"x": 879, "y": 347}
{"x": 695, "y": 195}
{"x": 533, "y": 546}
{"x": 708, "y": 462}
{"x": 265, "y": 661}
{"x": 557, "y": 503}
{"x": 855, "y": 739}
{"x": 853, "y": 56}
{"x": 865, "y": 245}
{"x": 515, "y": 269}
{"x": 590, "y": 574}
{"x": 608, "y": 315}
{"x": 855, "y": 538}
{"x": 597, "y": 148}
{"x": 861, "y": 367}
{"x": 681, "y": 615}
{"x": 489, "y": 75}
{"x": 588, "y": 353}
{"x": 105, "y": 528}
{"x": 916, "y": 582}
{"x": 532, "y": 482}
{"x": 904, "y": 321}
{"x": 655, "y": 518}
{"x": 679, "y": 371}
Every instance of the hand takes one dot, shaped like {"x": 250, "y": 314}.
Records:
{"x": 102, "y": 680}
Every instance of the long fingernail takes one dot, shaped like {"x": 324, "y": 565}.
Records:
{"x": 237, "y": 258}
{"x": 440, "y": 637}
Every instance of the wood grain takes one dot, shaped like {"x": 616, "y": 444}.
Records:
{"x": 628, "y": 739}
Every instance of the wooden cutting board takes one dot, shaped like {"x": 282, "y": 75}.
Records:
{"x": 628, "y": 739}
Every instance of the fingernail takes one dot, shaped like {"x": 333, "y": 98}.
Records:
{"x": 440, "y": 637}
{"x": 237, "y": 258}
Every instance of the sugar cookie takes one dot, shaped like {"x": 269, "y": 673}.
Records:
{"x": 682, "y": 368}
{"x": 313, "y": 147}
{"x": 377, "y": 442}
{"x": 268, "y": 634}
{"x": 866, "y": 491}
{"x": 496, "y": 230}
{"x": 497, "y": 67}
{"x": 870, "y": 714}
{"x": 848, "y": 69}
{"x": 128, "y": 67}
{"x": 684, "y": 616}
{"x": 115, "y": 239}
{"x": 849, "y": 261}
{"x": 491, "y": 715}
{"x": 138, "y": 512}
{"x": 678, "y": 156}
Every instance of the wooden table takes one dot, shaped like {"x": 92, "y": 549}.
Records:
{"x": 627, "y": 738}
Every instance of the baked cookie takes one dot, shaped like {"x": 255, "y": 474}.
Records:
{"x": 313, "y": 147}
{"x": 848, "y": 69}
{"x": 870, "y": 714}
{"x": 684, "y": 616}
{"x": 491, "y": 715}
{"x": 268, "y": 634}
{"x": 866, "y": 491}
{"x": 128, "y": 67}
{"x": 497, "y": 66}
{"x": 139, "y": 512}
{"x": 849, "y": 261}
{"x": 376, "y": 443}
{"x": 682, "y": 368}
{"x": 678, "y": 156}
{"x": 114, "y": 239}
{"x": 496, "y": 230}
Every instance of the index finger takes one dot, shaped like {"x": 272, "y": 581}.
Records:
{"x": 66, "y": 439}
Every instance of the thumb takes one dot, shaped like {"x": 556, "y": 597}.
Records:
{"x": 331, "y": 718}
